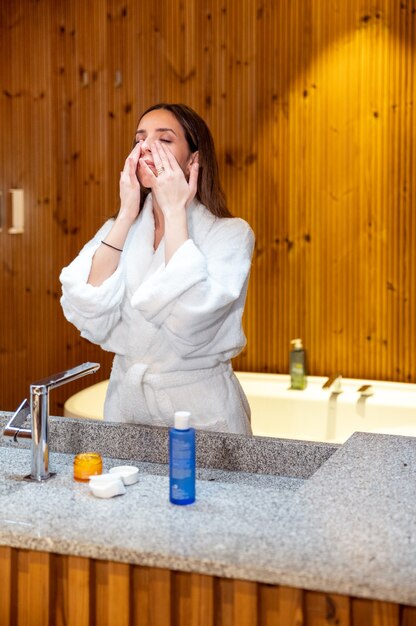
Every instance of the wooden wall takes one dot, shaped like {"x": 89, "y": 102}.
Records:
{"x": 311, "y": 104}
{"x": 42, "y": 589}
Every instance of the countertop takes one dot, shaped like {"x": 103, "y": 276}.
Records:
{"x": 338, "y": 519}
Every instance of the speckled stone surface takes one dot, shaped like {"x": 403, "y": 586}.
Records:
{"x": 349, "y": 527}
{"x": 262, "y": 455}
{"x": 352, "y": 527}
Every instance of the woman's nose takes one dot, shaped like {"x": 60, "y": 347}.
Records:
{"x": 146, "y": 145}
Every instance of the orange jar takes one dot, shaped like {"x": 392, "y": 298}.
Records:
{"x": 87, "y": 464}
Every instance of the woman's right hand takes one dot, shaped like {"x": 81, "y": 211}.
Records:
{"x": 130, "y": 186}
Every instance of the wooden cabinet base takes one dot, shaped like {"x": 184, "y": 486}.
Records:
{"x": 43, "y": 589}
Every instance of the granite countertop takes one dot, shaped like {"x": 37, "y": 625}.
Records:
{"x": 339, "y": 519}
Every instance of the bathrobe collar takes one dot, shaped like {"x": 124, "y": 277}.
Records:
{"x": 141, "y": 254}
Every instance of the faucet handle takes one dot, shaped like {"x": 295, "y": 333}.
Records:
{"x": 334, "y": 384}
{"x": 366, "y": 390}
{"x": 13, "y": 427}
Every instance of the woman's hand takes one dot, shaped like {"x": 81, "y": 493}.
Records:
{"x": 173, "y": 193}
{"x": 129, "y": 185}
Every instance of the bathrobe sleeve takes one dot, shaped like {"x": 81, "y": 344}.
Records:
{"x": 197, "y": 299}
{"x": 93, "y": 310}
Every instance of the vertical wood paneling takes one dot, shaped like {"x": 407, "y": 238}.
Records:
{"x": 43, "y": 588}
{"x": 312, "y": 109}
{"x": 13, "y": 352}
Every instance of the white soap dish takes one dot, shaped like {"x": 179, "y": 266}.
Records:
{"x": 106, "y": 486}
{"x": 129, "y": 474}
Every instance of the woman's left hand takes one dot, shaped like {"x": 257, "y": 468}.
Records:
{"x": 173, "y": 193}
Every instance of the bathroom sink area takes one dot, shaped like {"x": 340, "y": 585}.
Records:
{"x": 63, "y": 513}
{"x": 335, "y": 519}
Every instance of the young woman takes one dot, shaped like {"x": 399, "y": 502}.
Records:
{"x": 163, "y": 283}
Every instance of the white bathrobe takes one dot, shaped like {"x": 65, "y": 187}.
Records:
{"x": 173, "y": 328}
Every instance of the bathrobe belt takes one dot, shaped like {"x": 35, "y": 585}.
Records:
{"x": 138, "y": 376}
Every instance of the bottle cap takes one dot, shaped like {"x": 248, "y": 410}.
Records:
{"x": 297, "y": 343}
{"x": 181, "y": 420}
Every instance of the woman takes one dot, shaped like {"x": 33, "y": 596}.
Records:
{"x": 163, "y": 283}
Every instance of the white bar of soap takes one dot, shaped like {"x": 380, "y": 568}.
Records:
{"x": 106, "y": 486}
{"x": 129, "y": 474}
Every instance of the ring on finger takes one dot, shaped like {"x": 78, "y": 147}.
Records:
{"x": 160, "y": 170}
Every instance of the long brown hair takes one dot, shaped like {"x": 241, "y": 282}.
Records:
{"x": 198, "y": 137}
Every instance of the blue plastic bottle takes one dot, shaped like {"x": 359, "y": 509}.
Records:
{"x": 182, "y": 460}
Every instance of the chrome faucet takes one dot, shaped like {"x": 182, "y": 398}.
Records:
{"x": 39, "y": 413}
{"x": 334, "y": 383}
{"x": 366, "y": 390}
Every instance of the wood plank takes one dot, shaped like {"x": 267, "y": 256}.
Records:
{"x": 362, "y": 612}
{"x": 181, "y": 599}
{"x": 202, "y": 600}
{"x": 408, "y": 616}
{"x": 224, "y": 602}
{"x": 386, "y": 614}
{"x": 160, "y": 612}
{"x": 35, "y": 587}
{"x": 100, "y": 577}
{"x": 112, "y": 593}
{"x": 245, "y": 603}
{"x": 8, "y": 584}
{"x": 80, "y": 591}
{"x": 140, "y": 596}
{"x": 268, "y": 603}
{"x": 323, "y": 608}
{"x": 118, "y": 594}
{"x": 59, "y": 574}
{"x": 291, "y": 609}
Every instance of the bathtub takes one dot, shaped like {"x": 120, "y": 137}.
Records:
{"x": 314, "y": 414}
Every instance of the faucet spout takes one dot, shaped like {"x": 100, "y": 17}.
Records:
{"x": 39, "y": 412}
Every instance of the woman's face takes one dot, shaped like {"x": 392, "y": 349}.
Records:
{"x": 162, "y": 125}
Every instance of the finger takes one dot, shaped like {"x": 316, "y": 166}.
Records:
{"x": 137, "y": 151}
{"x": 135, "y": 155}
{"x": 157, "y": 159}
{"x": 132, "y": 171}
{"x": 145, "y": 166}
{"x": 160, "y": 157}
{"x": 166, "y": 155}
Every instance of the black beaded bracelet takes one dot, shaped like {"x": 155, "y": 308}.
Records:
{"x": 110, "y": 246}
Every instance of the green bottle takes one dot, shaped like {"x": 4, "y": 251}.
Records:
{"x": 297, "y": 365}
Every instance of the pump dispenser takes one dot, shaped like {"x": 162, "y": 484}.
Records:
{"x": 297, "y": 365}
{"x": 182, "y": 460}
